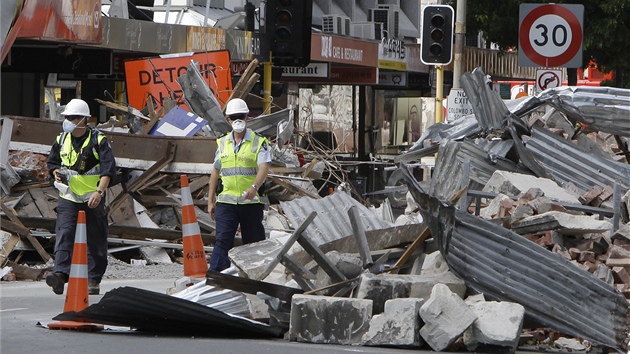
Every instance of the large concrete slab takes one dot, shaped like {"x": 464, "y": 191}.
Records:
{"x": 515, "y": 184}
{"x": 330, "y": 320}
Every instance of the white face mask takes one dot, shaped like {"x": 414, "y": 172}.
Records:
{"x": 238, "y": 125}
{"x": 68, "y": 126}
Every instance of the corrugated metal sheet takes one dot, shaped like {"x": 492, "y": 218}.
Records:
{"x": 604, "y": 109}
{"x": 332, "y": 221}
{"x": 450, "y": 165}
{"x": 489, "y": 109}
{"x": 568, "y": 163}
{"x": 507, "y": 267}
{"x": 150, "y": 311}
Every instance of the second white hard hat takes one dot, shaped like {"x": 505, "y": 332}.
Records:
{"x": 76, "y": 107}
{"x": 236, "y": 106}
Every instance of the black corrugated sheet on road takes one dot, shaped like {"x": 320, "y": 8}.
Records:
{"x": 154, "y": 312}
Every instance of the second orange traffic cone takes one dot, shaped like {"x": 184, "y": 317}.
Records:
{"x": 77, "y": 295}
{"x": 195, "y": 264}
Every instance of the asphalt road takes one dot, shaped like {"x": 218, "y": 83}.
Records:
{"x": 24, "y": 304}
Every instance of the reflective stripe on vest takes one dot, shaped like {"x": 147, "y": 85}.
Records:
{"x": 80, "y": 186}
{"x": 238, "y": 170}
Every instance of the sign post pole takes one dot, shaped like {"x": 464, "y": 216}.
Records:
{"x": 439, "y": 92}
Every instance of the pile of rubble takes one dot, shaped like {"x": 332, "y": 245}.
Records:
{"x": 520, "y": 238}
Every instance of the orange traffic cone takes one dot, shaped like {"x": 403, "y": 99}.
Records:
{"x": 195, "y": 264}
{"x": 77, "y": 295}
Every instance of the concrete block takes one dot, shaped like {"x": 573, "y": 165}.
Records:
{"x": 566, "y": 224}
{"x": 492, "y": 210}
{"x": 330, "y": 320}
{"x": 382, "y": 287}
{"x": 515, "y": 183}
{"x": 349, "y": 265}
{"x": 434, "y": 264}
{"x": 252, "y": 259}
{"x": 498, "y": 324}
{"x": 155, "y": 255}
{"x": 398, "y": 325}
{"x": 446, "y": 317}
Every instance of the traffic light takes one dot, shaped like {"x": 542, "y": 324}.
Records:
{"x": 437, "y": 35}
{"x": 288, "y": 29}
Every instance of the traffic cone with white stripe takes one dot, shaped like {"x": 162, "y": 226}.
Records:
{"x": 195, "y": 264}
{"x": 77, "y": 295}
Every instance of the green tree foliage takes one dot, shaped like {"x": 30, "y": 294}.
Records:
{"x": 606, "y": 30}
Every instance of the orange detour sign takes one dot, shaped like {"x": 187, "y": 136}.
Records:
{"x": 195, "y": 264}
{"x": 77, "y": 295}
{"x": 157, "y": 77}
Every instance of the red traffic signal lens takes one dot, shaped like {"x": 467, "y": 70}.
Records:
{"x": 437, "y": 35}
{"x": 438, "y": 20}
{"x": 283, "y": 16}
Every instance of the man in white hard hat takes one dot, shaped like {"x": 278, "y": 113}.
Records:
{"x": 81, "y": 163}
{"x": 241, "y": 162}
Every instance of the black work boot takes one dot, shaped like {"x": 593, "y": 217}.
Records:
{"x": 94, "y": 288}
{"x": 57, "y": 281}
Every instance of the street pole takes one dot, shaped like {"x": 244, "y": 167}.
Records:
{"x": 267, "y": 66}
{"x": 460, "y": 36}
{"x": 439, "y": 92}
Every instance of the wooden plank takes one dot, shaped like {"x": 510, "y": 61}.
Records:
{"x": 43, "y": 201}
{"x": 128, "y": 232}
{"x": 139, "y": 243}
{"x": 7, "y": 248}
{"x": 294, "y": 188}
{"x": 285, "y": 248}
{"x": 157, "y": 166}
{"x": 146, "y": 175}
{"x": 131, "y": 148}
{"x": 23, "y": 272}
{"x": 301, "y": 275}
{"x": 250, "y": 286}
{"x": 124, "y": 213}
{"x": 28, "y": 206}
{"x": 153, "y": 115}
{"x": 12, "y": 215}
{"x": 321, "y": 259}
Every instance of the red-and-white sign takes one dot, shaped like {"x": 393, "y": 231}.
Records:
{"x": 550, "y": 35}
{"x": 548, "y": 78}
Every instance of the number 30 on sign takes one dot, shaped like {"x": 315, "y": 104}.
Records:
{"x": 550, "y": 35}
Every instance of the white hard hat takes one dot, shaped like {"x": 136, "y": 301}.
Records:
{"x": 76, "y": 107}
{"x": 236, "y": 106}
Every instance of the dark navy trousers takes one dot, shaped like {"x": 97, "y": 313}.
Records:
{"x": 228, "y": 217}
{"x": 97, "y": 232}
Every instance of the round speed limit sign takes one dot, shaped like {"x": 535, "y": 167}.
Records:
{"x": 550, "y": 35}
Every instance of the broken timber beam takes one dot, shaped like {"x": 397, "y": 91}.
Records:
{"x": 24, "y": 232}
{"x": 296, "y": 234}
{"x": 250, "y": 286}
